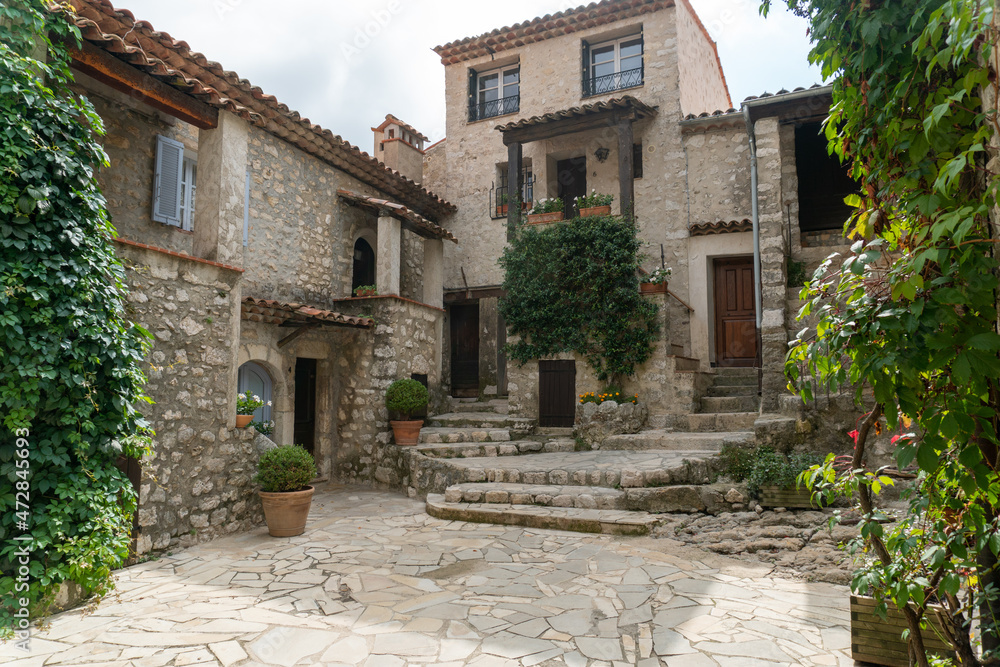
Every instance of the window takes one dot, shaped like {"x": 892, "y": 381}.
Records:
{"x": 495, "y": 92}
{"x": 823, "y": 181}
{"x": 255, "y": 379}
{"x": 612, "y": 65}
{"x": 189, "y": 174}
{"x": 500, "y": 197}
{"x": 364, "y": 265}
{"x": 174, "y": 184}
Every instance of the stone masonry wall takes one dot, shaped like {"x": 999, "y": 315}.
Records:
{"x": 703, "y": 86}
{"x": 197, "y": 483}
{"x": 718, "y": 174}
{"x": 130, "y": 142}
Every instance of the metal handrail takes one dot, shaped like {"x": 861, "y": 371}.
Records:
{"x": 617, "y": 81}
{"x": 498, "y": 107}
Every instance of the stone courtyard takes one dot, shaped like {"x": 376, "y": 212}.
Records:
{"x": 376, "y": 582}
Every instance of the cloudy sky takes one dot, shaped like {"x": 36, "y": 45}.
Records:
{"x": 344, "y": 65}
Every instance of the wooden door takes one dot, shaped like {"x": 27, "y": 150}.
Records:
{"x": 465, "y": 350}
{"x": 735, "y": 313}
{"x": 557, "y": 393}
{"x": 572, "y": 183}
{"x": 133, "y": 470}
{"x": 305, "y": 403}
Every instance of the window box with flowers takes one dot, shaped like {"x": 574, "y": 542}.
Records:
{"x": 594, "y": 204}
{"x": 546, "y": 210}
{"x": 656, "y": 282}
{"x": 246, "y": 404}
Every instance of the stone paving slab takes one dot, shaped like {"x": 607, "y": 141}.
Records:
{"x": 581, "y": 520}
{"x": 664, "y": 440}
{"x": 377, "y": 582}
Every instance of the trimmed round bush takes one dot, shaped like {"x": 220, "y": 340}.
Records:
{"x": 406, "y": 397}
{"x": 285, "y": 468}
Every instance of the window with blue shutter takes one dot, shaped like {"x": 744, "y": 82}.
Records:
{"x": 168, "y": 198}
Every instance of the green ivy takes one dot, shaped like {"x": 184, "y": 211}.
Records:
{"x": 573, "y": 288}
{"x": 70, "y": 376}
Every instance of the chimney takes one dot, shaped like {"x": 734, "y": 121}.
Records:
{"x": 399, "y": 146}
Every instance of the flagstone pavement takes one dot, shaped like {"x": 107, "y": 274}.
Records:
{"x": 376, "y": 582}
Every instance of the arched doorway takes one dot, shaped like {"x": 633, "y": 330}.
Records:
{"x": 255, "y": 379}
{"x": 364, "y": 265}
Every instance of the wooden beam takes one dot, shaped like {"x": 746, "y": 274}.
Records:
{"x": 513, "y": 188}
{"x": 556, "y": 128}
{"x": 295, "y": 334}
{"x": 626, "y": 180}
{"x": 121, "y": 76}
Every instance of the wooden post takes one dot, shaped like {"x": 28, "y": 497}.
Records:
{"x": 626, "y": 182}
{"x": 513, "y": 188}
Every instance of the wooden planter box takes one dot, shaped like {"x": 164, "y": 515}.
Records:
{"x": 595, "y": 210}
{"x": 880, "y": 642}
{"x": 652, "y": 288}
{"x": 774, "y": 496}
{"x": 540, "y": 218}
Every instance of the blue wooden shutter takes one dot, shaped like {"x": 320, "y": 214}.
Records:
{"x": 586, "y": 67}
{"x": 473, "y": 95}
{"x": 167, "y": 181}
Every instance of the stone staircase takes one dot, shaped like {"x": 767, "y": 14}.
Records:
{"x": 730, "y": 404}
{"x": 476, "y": 463}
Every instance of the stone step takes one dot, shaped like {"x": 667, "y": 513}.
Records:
{"x": 487, "y": 420}
{"x": 730, "y": 403}
{"x": 439, "y": 434}
{"x": 681, "y": 498}
{"x": 664, "y": 440}
{"x": 686, "y": 363}
{"x": 495, "y": 406}
{"x": 735, "y": 371}
{"x": 732, "y": 390}
{"x": 717, "y": 422}
{"x": 609, "y": 522}
{"x": 464, "y": 450}
{"x": 748, "y": 380}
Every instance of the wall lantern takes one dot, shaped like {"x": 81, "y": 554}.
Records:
{"x": 601, "y": 154}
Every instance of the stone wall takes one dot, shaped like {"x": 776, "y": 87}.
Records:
{"x": 197, "y": 484}
{"x": 718, "y": 173}
{"x": 703, "y": 85}
{"x": 435, "y": 170}
{"x": 130, "y": 142}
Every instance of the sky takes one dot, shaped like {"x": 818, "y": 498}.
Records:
{"x": 344, "y": 65}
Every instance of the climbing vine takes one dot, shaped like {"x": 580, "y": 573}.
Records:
{"x": 908, "y": 318}
{"x": 573, "y": 288}
{"x": 70, "y": 377}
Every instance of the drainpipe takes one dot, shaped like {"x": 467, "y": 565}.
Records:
{"x": 755, "y": 215}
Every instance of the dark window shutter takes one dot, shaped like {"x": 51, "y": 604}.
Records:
{"x": 167, "y": 181}
{"x": 586, "y": 67}
{"x": 637, "y": 160}
{"x": 473, "y": 82}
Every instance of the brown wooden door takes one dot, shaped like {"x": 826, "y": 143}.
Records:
{"x": 556, "y": 393}
{"x": 735, "y": 313}
{"x": 465, "y": 350}
{"x": 305, "y": 403}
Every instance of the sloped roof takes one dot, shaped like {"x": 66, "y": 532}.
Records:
{"x": 625, "y": 102}
{"x": 414, "y": 221}
{"x": 545, "y": 27}
{"x": 817, "y": 87}
{"x": 390, "y": 119}
{"x": 292, "y": 314}
{"x": 158, "y": 54}
{"x": 720, "y": 227}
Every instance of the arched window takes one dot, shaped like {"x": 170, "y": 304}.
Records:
{"x": 255, "y": 379}
{"x": 364, "y": 265}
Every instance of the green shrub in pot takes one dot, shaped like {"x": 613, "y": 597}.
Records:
{"x": 285, "y": 468}
{"x": 406, "y": 397}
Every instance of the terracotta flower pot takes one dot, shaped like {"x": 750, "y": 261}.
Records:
{"x": 406, "y": 432}
{"x": 539, "y": 218}
{"x": 595, "y": 210}
{"x": 286, "y": 512}
{"x": 502, "y": 210}
{"x": 652, "y": 288}
{"x": 242, "y": 421}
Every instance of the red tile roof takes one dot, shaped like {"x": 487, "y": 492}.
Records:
{"x": 276, "y": 312}
{"x": 173, "y": 62}
{"x": 546, "y": 27}
{"x": 414, "y": 221}
{"x": 174, "y": 253}
{"x": 721, "y": 227}
{"x": 625, "y": 102}
{"x": 390, "y": 119}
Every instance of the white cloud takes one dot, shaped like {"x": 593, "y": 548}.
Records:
{"x": 344, "y": 65}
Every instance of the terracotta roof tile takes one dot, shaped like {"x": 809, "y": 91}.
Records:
{"x": 390, "y": 119}
{"x": 624, "y": 102}
{"x": 721, "y": 227}
{"x": 783, "y": 91}
{"x": 277, "y": 312}
{"x": 416, "y": 222}
{"x": 545, "y": 27}
{"x": 172, "y": 61}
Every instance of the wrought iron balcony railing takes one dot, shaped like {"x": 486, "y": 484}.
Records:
{"x": 617, "y": 81}
{"x": 504, "y": 105}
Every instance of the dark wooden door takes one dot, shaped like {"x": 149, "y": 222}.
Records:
{"x": 305, "y": 403}
{"x": 133, "y": 469}
{"x": 465, "y": 350}
{"x": 572, "y": 183}
{"x": 364, "y": 265}
{"x": 556, "y": 393}
{"x": 735, "y": 313}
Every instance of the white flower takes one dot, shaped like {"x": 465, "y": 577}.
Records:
{"x": 269, "y": 404}
{"x": 256, "y": 398}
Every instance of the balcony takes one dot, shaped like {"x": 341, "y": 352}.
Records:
{"x": 609, "y": 83}
{"x": 498, "y": 107}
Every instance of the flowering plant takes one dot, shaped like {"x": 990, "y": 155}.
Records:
{"x": 594, "y": 199}
{"x": 246, "y": 403}
{"x": 366, "y": 290}
{"x": 551, "y": 205}
{"x": 609, "y": 394}
{"x": 659, "y": 276}
{"x": 267, "y": 428}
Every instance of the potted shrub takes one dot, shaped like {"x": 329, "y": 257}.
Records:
{"x": 546, "y": 210}
{"x": 656, "y": 282}
{"x": 246, "y": 404}
{"x": 404, "y": 398}
{"x": 284, "y": 474}
{"x": 773, "y": 479}
{"x": 366, "y": 290}
{"x": 594, "y": 204}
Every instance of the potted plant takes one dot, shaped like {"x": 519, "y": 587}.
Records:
{"x": 284, "y": 474}
{"x": 366, "y": 290}
{"x": 594, "y": 204}
{"x": 246, "y": 404}
{"x": 502, "y": 204}
{"x": 656, "y": 282}
{"x": 405, "y": 397}
{"x": 546, "y": 210}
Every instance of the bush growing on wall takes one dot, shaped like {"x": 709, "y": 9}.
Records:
{"x": 70, "y": 374}
{"x": 573, "y": 288}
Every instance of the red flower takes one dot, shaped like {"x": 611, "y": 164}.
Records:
{"x": 854, "y": 436}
